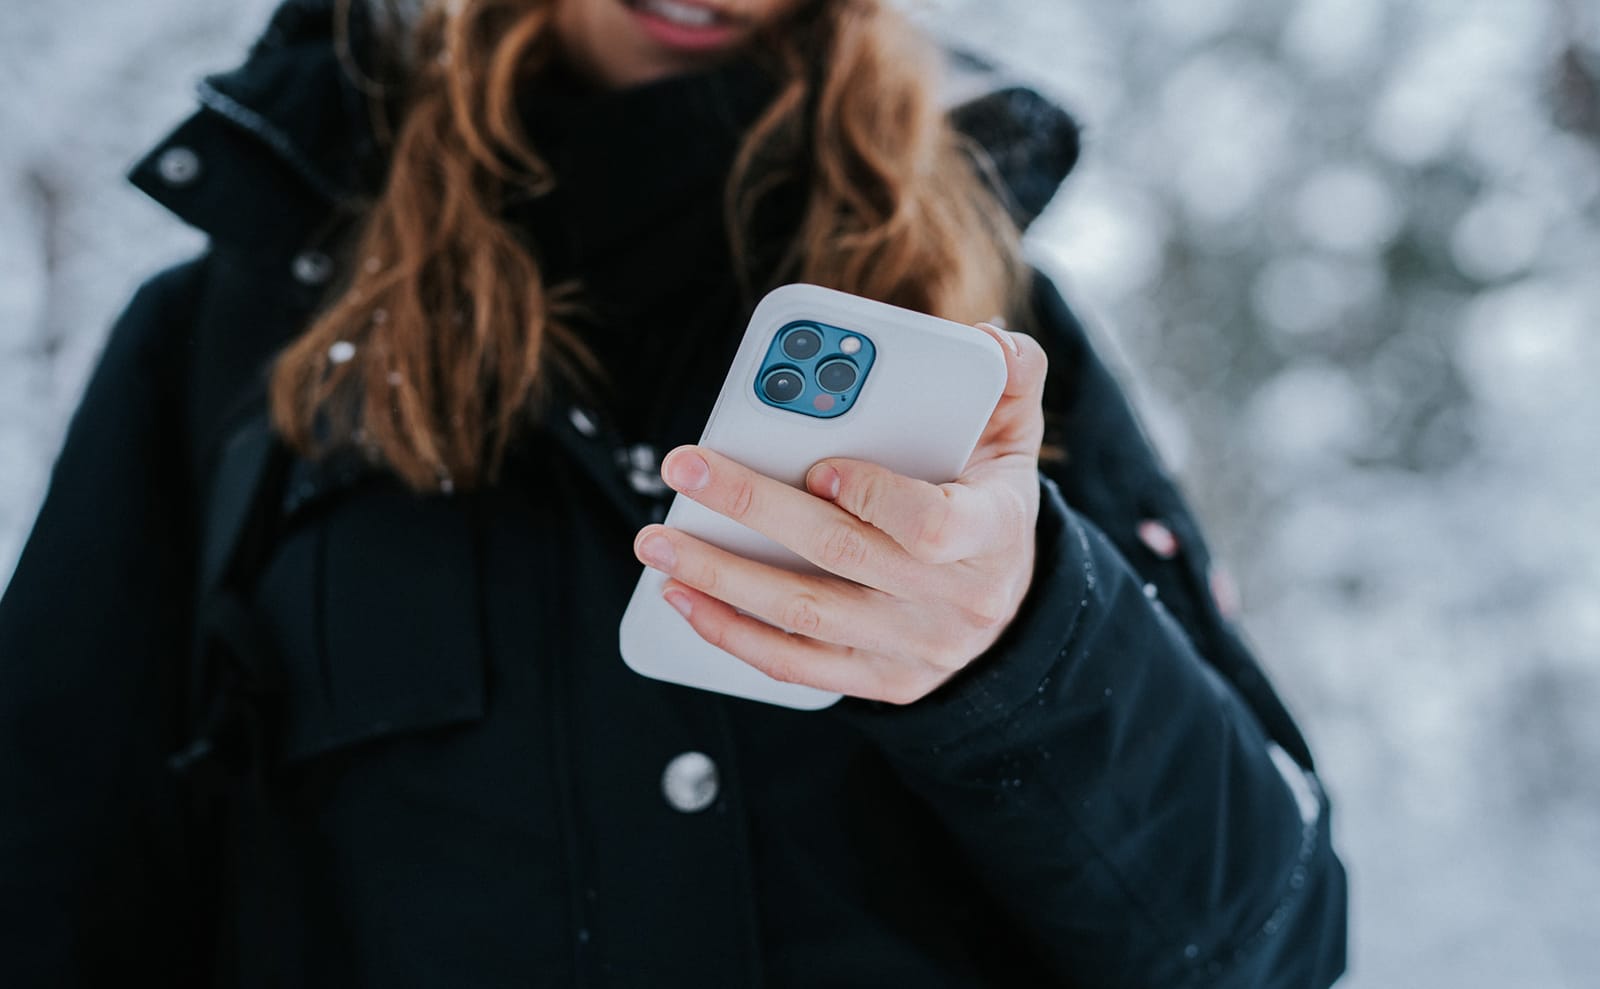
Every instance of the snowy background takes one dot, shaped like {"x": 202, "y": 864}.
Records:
{"x": 1346, "y": 253}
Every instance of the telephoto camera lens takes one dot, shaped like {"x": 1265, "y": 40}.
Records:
{"x": 783, "y": 384}
{"x": 836, "y": 375}
{"x": 802, "y": 343}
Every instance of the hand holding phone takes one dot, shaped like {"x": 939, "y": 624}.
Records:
{"x": 886, "y": 588}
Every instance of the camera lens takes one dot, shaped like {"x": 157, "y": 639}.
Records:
{"x": 783, "y": 384}
{"x": 802, "y": 343}
{"x": 836, "y": 375}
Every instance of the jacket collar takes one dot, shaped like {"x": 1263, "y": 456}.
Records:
{"x": 287, "y": 136}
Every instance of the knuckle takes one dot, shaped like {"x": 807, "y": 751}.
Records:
{"x": 930, "y": 643}
{"x": 843, "y": 548}
{"x": 988, "y": 610}
{"x": 698, "y": 572}
{"x": 800, "y": 614}
{"x": 949, "y": 656}
{"x": 904, "y": 690}
{"x": 864, "y": 495}
{"x": 715, "y": 633}
{"x": 942, "y": 651}
{"x": 871, "y": 489}
{"x": 933, "y": 533}
{"x": 741, "y": 496}
{"x": 782, "y": 669}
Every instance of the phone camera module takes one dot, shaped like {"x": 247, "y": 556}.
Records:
{"x": 802, "y": 343}
{"x": 813, "y": 368}
{"x": 837, "y": 375}
{"x": 783, "y": 384}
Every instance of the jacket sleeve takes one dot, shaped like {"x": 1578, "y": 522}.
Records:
{"x": 1117, "y": 770}
{"x": 93, "y": 634}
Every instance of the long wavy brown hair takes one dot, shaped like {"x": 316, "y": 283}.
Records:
{"x": 434, "y": 350}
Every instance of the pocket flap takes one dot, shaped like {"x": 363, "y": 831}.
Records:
{"x": 375, "y": 606}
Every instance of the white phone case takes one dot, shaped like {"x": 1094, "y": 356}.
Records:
{"x": 921, "y": 409}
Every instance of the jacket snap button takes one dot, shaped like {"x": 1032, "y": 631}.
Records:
{"x": 642, "y": 467}
{"x": 690, "y": 782}
{"x": 642, "y": 456}
{"x": 1158, "y": 538}
{"x": 178, "y": 165}
{"x": 646, "y": 482}
{"x": 312, "y": 267}
{"x": 582, "y": 422}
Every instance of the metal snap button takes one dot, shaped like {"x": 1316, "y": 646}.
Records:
{"x": 582, "y": 421}
{"x": 646, "y": 482}
{"x": 178, "y": 165}
{"x": 312, "y": 268}
{"x": 690, "y": 782}
{"x": 643, "y": 457}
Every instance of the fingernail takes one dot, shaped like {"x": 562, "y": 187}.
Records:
{"x": 687, "y": 472}
{"x": 998, "y": 321}
{"x": 824, "y": 480}
{"x": 679, "y": 601}
{"x": 1010, "y": 340}
{"x": 656, "y": 550}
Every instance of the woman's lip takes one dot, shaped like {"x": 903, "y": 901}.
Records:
{"x": 684, "y": 37}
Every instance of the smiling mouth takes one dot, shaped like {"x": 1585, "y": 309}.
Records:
{"x": 683, "y": 14}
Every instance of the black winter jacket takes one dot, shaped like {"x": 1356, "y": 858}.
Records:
{"x": 271, "y": 723}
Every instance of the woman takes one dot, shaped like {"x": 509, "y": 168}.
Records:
{"x": 356, "y": 498}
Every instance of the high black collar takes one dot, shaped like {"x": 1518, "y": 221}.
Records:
{"x": 625, "y": 160}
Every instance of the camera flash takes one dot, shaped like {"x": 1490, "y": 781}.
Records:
{"x": 850, "y": 345}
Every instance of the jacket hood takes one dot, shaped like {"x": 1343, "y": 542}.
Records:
{"x": 288, "y": 134}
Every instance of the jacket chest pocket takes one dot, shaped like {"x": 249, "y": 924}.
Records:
{"x": 372, "y": 605}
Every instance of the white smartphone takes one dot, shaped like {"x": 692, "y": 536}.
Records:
{"x": 819, "y": 373}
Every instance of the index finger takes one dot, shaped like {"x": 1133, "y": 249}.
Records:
{"x": 813, "y": 528}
